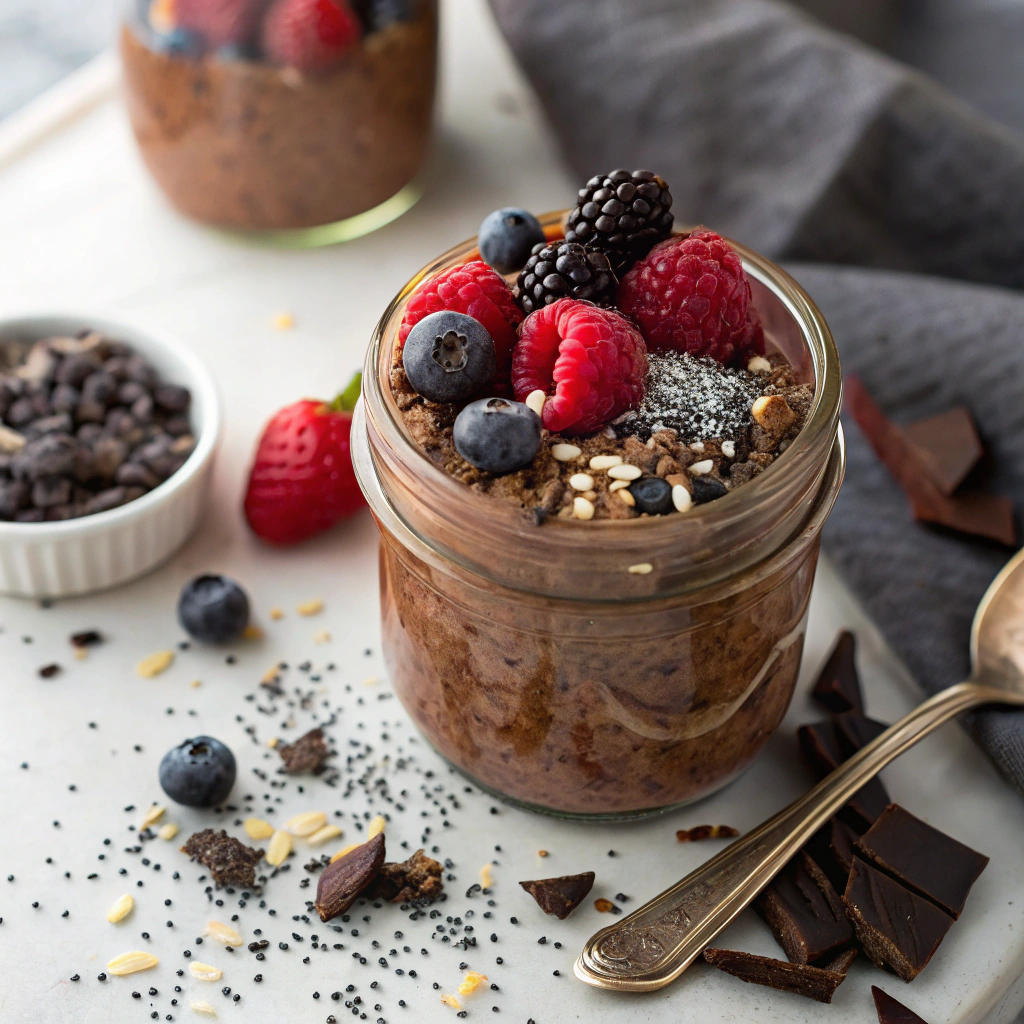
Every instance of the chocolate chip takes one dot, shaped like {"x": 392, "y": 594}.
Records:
{"x": 132, "y": 474}
{"x": 75, "y": 369}
{"x": 51, "y": 491}
{"x": 172, "y": 398}
{"x": 14, "y": 495}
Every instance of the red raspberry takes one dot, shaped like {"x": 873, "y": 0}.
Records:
{"x": 480, "y": 292}
{"x": 309, "y": 35}
{"x": 591, "y": 362}
{"x": 220, "y": 22}
{"x": 691, "y": 294}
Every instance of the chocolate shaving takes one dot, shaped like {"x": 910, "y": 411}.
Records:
{"x": 818, "y": 983}
{"x": 892, "y": 1011}
{"x": 975, "y": 513}
{"x": 820, "y": 746}
{"x": 838, "y": 685}
{"x": 306, "y": 756}
{"x": 695, "y": 835}
{"x": 418, "y": 878}
{"x": 230, "y": 862}
{"x": 922, "y": 858}
{"x": 804, "y": 912}
{"x": 897, "y": 928}
{"x": 342, "y": 882}
{"x": 560, "y": 896}
{"x": 49, "y": 671}
{"x": 87, "y": 638}
{"x": 947, "y": 445}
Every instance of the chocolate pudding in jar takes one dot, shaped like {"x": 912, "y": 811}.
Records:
{"x": 599, "y": 501}
{"x": 305, "y": 117}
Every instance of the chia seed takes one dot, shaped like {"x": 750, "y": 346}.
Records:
{"x": 697, "y": 397}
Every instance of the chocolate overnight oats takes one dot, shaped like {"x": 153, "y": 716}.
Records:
{"x": 594, "y": 575}
{"x": 281, "y": 116}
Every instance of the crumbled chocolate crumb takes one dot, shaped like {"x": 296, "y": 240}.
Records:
{"x": 695, "y": 835}
{"x": 306, "y": 755}
{"x": 230, "y": 862}
{"x": 49, "y": 671}
{"x": 418, "y": 878}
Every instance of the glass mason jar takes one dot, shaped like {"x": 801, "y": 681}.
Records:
{"x": 305, "y": 120}
{"x": 543, "y": 669}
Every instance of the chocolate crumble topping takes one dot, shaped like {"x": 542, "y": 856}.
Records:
{"x": 418, "y": 878}
{"x": 230, "y": 862}
{"x": 306, "y": 755}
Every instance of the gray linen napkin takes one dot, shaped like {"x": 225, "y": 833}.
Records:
{"x": 809, "y": 146}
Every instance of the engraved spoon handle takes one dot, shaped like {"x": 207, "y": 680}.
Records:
{"x": 656, "y": 943}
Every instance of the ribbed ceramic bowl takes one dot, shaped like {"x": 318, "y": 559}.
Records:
{"x": 76, "y": 556}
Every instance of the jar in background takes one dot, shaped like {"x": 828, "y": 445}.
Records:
{"x": 306, "y": 120}
{"x": 538, "y": 664}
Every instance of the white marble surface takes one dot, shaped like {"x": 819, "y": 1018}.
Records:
{"x": 83, "y": 228}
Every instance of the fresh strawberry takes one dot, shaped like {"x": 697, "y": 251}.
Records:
{"x": 220, "y": 22}
{"x": 302, "y": 479}
{"x": 309, "y": 35}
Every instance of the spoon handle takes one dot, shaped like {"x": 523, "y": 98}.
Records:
{"x": 656, "y": 943}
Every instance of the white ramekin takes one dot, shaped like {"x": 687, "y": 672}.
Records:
{"x": 76, "y": 556}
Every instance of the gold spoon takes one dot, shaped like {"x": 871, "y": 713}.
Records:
{"x": 656, "y": 943}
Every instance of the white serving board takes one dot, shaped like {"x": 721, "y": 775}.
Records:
{"x": 83, "y": 228}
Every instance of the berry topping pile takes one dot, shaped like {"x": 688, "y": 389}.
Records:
{"x": 309, "y": 35}
{"x": 590, "y": 362}
{"x": 691, "y": 294}
{"x": 636, "y": 359}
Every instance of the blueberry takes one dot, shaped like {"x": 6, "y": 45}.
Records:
{"x": 507, "y": 237}
{"x": 652, "y": 495}
{"x": 707, "y": 488}
{"x": 497, "y": 435}
{"x": 179, "y": 42}
{"x": 381, "y": 13}
{"x": 198, "y": 772}
{"x": 213, "y": 609}
{"x": 449, "y": 357}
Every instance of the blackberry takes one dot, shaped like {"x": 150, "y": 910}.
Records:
{"x": 564, "y": 270}
{"x": 623, "y": 214}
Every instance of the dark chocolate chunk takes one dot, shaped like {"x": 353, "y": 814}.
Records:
{"x": 418, "y": 878}
{"x": 820, "y": 746}
{"x": 306, "y": 755}
{"x": 695, "y": 835}
{"x": 948, "y": 445}
{"x": 804, "y": 912}
{"x": 838, "y": 685}
{"x": 560, "y": 896}
{"x": 854, "y": 731}
{"x": 975, "y": 513}
{"x": 818, "y": 983}
{"x": 892, "y": 1011}
{"x": 49, "y": 671}
{"x": 922, "y": 858}
{"x": 342, "y": 882}
{"x": 832, "y": 850}
{"x": 897, "y": 928}
{"x": 230, "y": 862}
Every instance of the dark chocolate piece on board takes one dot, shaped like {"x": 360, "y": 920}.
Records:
{"x": 854, "y": 731}
{"x": 820, "y": 745}
{"x": 342, "y": 882}
{"x": 838, "y": 685}
{"x": 897, "y": 928}
{"x": 922, "y": 858}
{"x": 814, "y": 982}
{"x": 948, "y": 446}
{"x": 560, "y": 896}
{"x": 832, "y": 850}
{"x": 975, "y": 513}
{"x": 804, "y": 912}
{"x": 892, "y": 1011}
